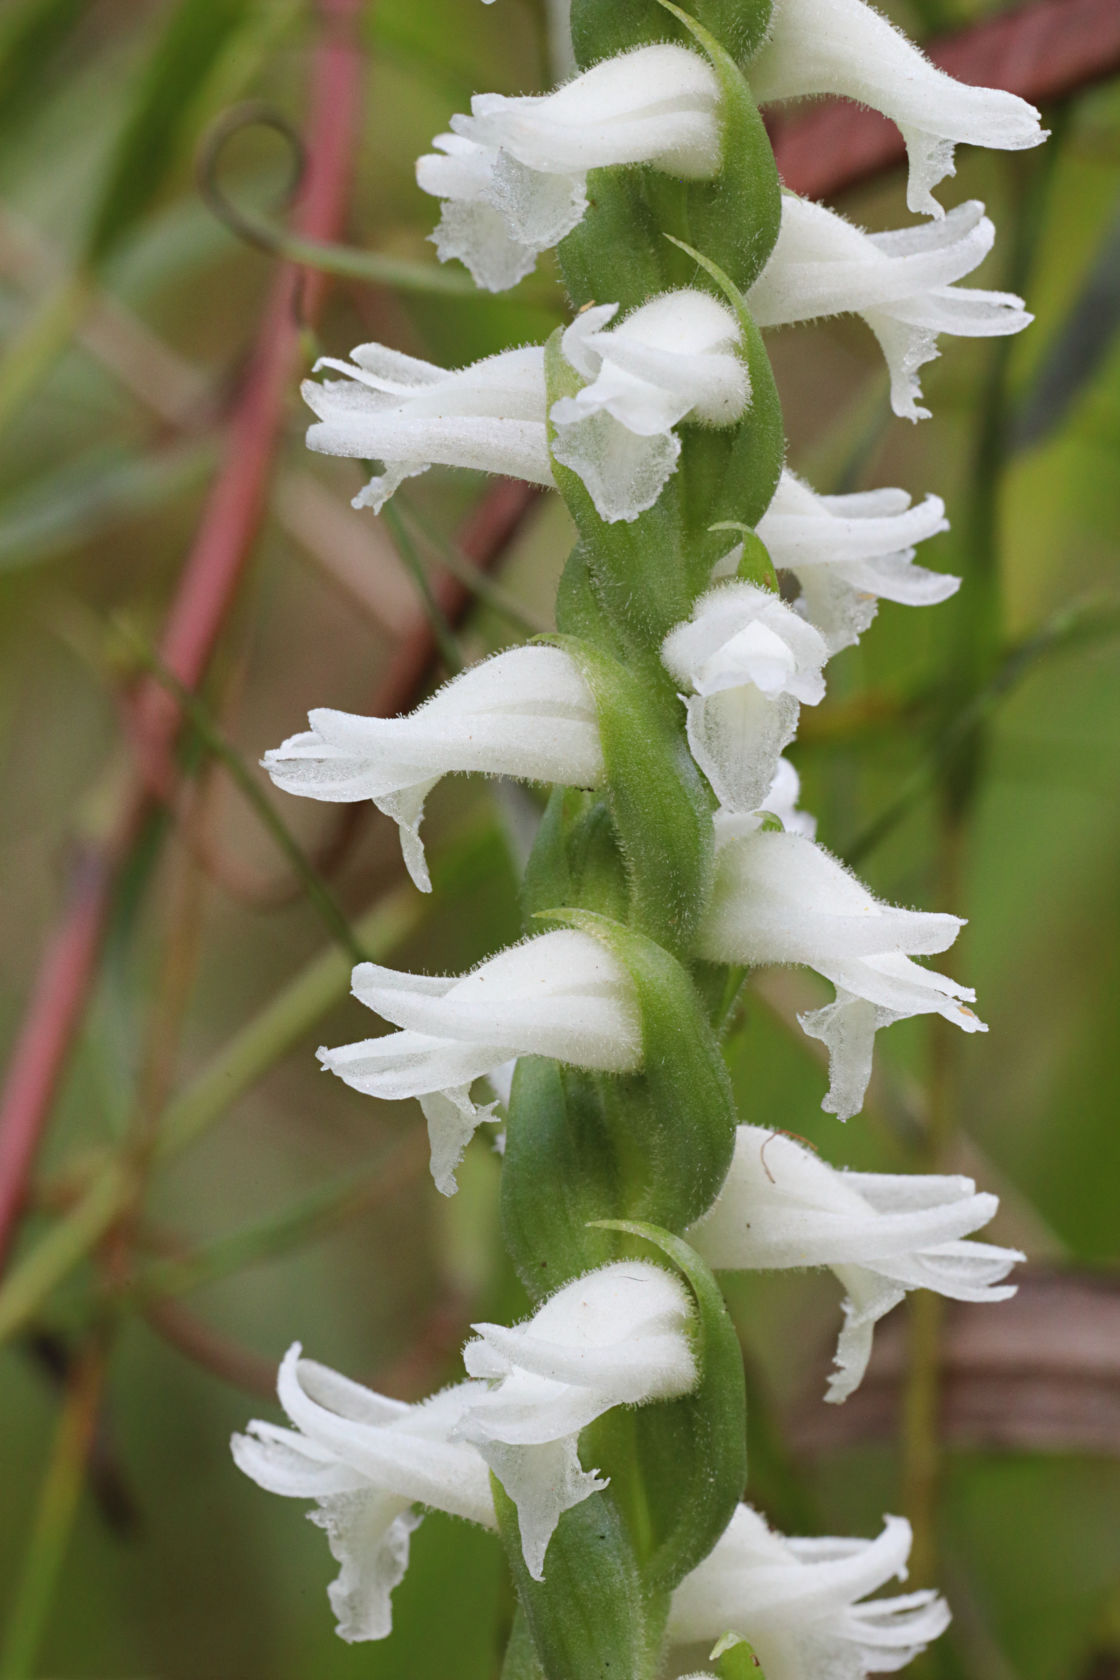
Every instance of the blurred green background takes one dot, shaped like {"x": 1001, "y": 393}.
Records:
{"x": 967, "y": 759}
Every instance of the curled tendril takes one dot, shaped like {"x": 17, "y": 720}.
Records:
{"x": 254, "y": 230}
{"x": 401, "y": 273}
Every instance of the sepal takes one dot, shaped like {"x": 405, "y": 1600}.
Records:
{"x": 598, "y": 29}
{"x": 702, "y": 1434}
{"x": 589, "y": 1618}
{"x": 660, "y": 809}
{"x": 674, "y": 1124}
{"x": 615, "y": 251}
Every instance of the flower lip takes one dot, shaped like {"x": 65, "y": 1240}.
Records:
{"x": 799, "y": 1601}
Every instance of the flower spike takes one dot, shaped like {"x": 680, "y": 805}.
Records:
{"x": 561, "y": 994}
{"x": 846, "y": 47}
{"x": 882, "y": 1234}
{"x": 526, "y": 713}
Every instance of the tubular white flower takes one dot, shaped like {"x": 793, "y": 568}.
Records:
{"x": 367, "y": 1462}
{"x": 676, "y": 358}
{"x": 881, "y": 1233}
{"x": 899, "y": 282}
{"x": 849, "y": 552}
{"x": 845, "y": 47}
{"x": 412, "y": 415}
{"x": 560, "y": 994}
{"x": 798, "y": 1601}
{"x": 617, "y": 1337}
{"x": 527, "y": 713}
{"x": 750, "y": 662}
{"x": 781, "y": 898}
{"x": 513, "y": 175}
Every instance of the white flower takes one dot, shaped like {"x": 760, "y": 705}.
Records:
{"x": 526, "y": 713}
{"x": 513, "y": 175}
{"x": 900, "y": 283}
{"x": 750, "y": 661}
{"x": 617, "y": 1337}
{"x": 798, "y": 1601}
{"x": 367, "y": 1462}
{"x": 881, "y": 1233}
{"x": 847, "y": 48}
{"x": 849, "y": 552}
{"x": 560, "y": 994}
{"x": 675, "y": 358}
{"x": 411, "y": 415}
{"x": 781, "y": 898}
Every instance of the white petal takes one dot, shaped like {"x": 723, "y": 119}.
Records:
{"x": 656, "y": 104}
{"x": 797, "y": 1601}
{"x": 900, "y": 282}
{"x": 736, "y": 738}
{"x": 618, "y": 1336}
{"x": 410, "y": 1456}
{"x": 559, "y": 994}
{"x": 369, "y": 1536}
{"x": 624, "y": 473}
{"x": 845, "y": 47}
{"x": 543, "y": 1483}
{"x": 409, "y": 415}
{"x": 672, "y": 359}
{"x": 847, "y": 551}
{"x": 780, "y": 898}
{"x": 526, "y": 713}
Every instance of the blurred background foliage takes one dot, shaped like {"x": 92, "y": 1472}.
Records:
{"x": 966, "y": 759}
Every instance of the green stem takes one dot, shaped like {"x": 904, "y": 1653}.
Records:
{"x": 238, "y": 1066}
{"x": 54, "y": 1520}
{"x": 446, "y": 640}
{"x": 37, "y": 347}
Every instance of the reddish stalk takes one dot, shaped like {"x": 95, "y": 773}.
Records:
{"x": 212, "y": 572}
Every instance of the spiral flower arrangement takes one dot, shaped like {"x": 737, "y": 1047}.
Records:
{"x": 604, "y": 1436}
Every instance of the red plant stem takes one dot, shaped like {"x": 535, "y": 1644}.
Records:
{"x": 209, "y": 581}
{"x": 1043, "y": 52}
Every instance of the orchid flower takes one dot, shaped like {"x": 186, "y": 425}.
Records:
{"x": 676, "y": 358}
{"x": 617, "y": 1337}
{"x": 801, "y": 1602}
{"x": 561, "y": 994}
{"x": 781, "y": 898}
{"x": 881, "y": 1233}
{"x": 367, "y": 1462}
{"x": 847, "y": 48}
{"x": 849, "y": 552}
{"x": 750, "y": 662}
{"x": 526, "y": 713}
{"x": 900, "y": 282}
{"x": 411, "y": 415}
{"x": 513, "y": 175}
